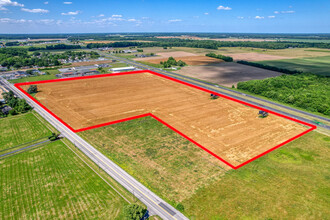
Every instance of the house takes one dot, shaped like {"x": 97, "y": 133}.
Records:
{"x": 2, "y": 68}
{"x": 122, "y": 69}
{"x": 5, "y": 110}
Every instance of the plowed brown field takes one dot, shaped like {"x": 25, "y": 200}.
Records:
{"x": 229, "y": 129}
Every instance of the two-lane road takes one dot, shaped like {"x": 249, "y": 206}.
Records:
{"x": 154, "y": 203}
{"x": 272, "y": 106}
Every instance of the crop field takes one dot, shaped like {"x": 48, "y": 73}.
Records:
{"x": 228, "y": 130}
{"x": 227, "y": 73}
{"x": 189, "y": 60}
{"x": 51, "y": 182}
{"x": 317, "y": 65}
{"x": 289, "y": 183}
{"x": 20, "y": 129}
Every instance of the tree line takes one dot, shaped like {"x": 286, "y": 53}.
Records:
{"x": 179, "y": 43}
{"x": 210, "y": 44}
{"x": 268, "y": 67}
{"x": 219, "y": 56}
{"x": 305, "y": 90}
{"x": 56, "y": 47}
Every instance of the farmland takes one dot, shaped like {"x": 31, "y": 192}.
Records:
{"x": 316, "y": 65}
{"x": 215, "y": 125}
{"x": 278, "y": 185}
{"x": 157, "y": 156}
{"x": 52, "y": 182}
{"x": 16, "y": 130}
{"x": 289, "y": 183}
{"x": 226, "y": 74}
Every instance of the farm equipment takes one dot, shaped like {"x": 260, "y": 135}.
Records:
{"x": 213, "y": 96}
{"x": 263, "y": 114}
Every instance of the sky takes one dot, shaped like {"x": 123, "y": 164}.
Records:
{"x": 107, "y": 16}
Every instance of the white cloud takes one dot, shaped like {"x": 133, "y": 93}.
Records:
{"x": 101, "y": 15}
{"x": 206, "y": 13}
{"x": 287, "y": 12}
{"x": 240, "y": 17}
{"x": 70, "y": 13}
{"x": 271, "y": 16}
{"x": 45, "y": 21}
{"x": 174, "y": 20}
{"x": 36, "y": 10}
{"x": 145, "y": 18}
{"x": 117, "y": 16}
{"x": 14, "y": 21}
{"x": 259, "y": 17}
{"x": 46, "y": 3}
{"x": 8, "y": 3}
{"x": 67, "y": 3}
{"x": 223, "y": 8}
{"x": 132, "y": 20}
{"x": 284, "y": 12}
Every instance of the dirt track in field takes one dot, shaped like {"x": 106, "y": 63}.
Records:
{"x": 189, "y": 60}
{"x": 229, "y": 129}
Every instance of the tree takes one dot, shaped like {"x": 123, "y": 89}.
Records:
{"x": 32, "y": 89}
{"x": 181, "y": 63}
{"x": 134, "y": 212}
{"x": 13, "y": 112}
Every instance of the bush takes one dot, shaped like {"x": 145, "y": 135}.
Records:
{"x": 13, "y": 112}
{"x": 134, "y": 212}
{"x": 180, "y": 207}
{"x": 32, "y": 89}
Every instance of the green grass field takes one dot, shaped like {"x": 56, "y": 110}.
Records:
{"x": 156, "y": 156}
{"x": 288, "y": 183}
{"x": 317, "y": 65}
{"x": 34, "y": 78}
{"x": 51, "y": 182}
{"x": 19, "y": 129}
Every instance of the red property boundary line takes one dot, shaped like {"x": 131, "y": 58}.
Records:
{"x": 312, "y": 127}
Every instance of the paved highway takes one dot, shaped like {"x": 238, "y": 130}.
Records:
{"x": 154, "y": 203}
{"x": 225, "y": 91}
